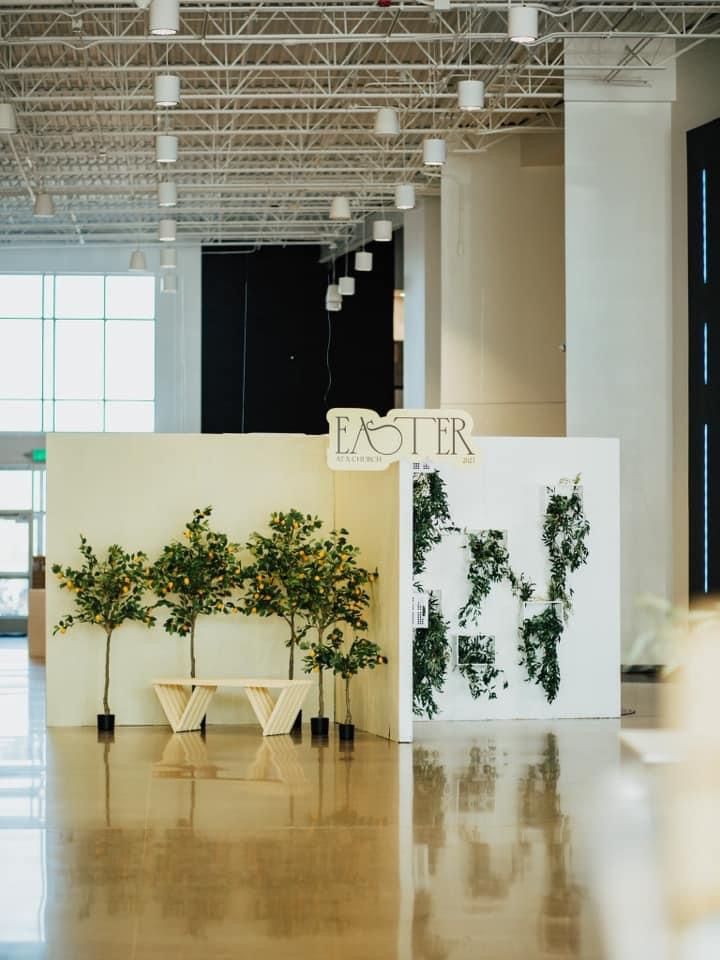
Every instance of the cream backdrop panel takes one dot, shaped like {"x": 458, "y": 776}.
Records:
{"x": 139, "y": 491}
{"x": 505, "y": 491}
{"x": 368, "y": 505}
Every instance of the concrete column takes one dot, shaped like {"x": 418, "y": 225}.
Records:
{"x": 421, "y": 373}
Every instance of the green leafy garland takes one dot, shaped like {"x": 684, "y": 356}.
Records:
{"x": 431, "y": 655}
{"x": 431, "y": 516}
{"x": 476, "y": 663}
{"x": 565, "y": 531}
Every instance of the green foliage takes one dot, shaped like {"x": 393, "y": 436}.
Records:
{"x": 476, "y": 663}
{"x": 362, "y": 654}
{"x": 196, "y": 576}
{"x": 489, "y": 564}
{"x": 336, "y": 592}
{"x": 565, "y": 530}
{"x": 431, "y": 654}
{"x": 539, "y": 638}
{"x": 107, "y": 593}
{"x": 431, "y": 516}
{"x": 278, "y": 575}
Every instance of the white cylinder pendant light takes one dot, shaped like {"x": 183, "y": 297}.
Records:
{"x": 44, "y": 206}
{"x": 164, "y": 17}
{"x": 363, "y": 261}
{"x": 404, "y": 196}
{"x": 434, "y": 152}
{"x": 137, "y": 262}
{"x": 523, "y": 24}
{"x": 340, "y": 208}
{"x": 168, "y": 258}
{"x": 167, "y": 193}
{"x": 387, "y": 122}
{"x": 169, "y": 283}
{"x": 8, "y": 120}
{"x": 382, "y": 230}
{"x": 347, "y": 286}
{"x": 167, "y": 90}
{"x": 166, "y": 230}
{"x": 166, "y": 148}
{"x": 333, "y": 298}
{"x": 471, "y": 94}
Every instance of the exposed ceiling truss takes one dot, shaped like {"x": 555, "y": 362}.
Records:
{"x": 277, "y": 107}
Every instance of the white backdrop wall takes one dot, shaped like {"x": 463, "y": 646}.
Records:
{"x": 506, "y": 491}
{"x": 178, "y": 327}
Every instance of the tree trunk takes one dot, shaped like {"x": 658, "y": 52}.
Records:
{"x": 108, "y": 637}
{"x": 192, "y": 648}
{"x": 291, "y": 664}
{"x": 348, "y": 715}
{"x": 321, "y": 693}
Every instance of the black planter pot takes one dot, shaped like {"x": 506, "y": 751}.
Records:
{"x": 106, "y": 722}
{"x": 297, "y": 726}
{"x": 319, "y": 726}
{"x": 346, "y": 731}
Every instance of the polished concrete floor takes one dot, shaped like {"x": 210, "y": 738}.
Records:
{"x": 469, "y": 843}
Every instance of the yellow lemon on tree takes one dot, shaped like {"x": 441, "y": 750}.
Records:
{"x": 186, "y": 581}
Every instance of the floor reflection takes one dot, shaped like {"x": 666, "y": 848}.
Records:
{"x": 469, "y": 843}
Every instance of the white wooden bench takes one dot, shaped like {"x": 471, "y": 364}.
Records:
{"x": 185, "y": 707}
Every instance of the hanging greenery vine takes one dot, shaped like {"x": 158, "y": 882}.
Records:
{"x": 565, "y": 531}
{"x": 476, "y": 663}
{"x": 431, "y": 516}
{"x": 489, "y": 564}
{"x": 431, "y": 654}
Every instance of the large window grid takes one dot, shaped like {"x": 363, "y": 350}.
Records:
{"x": 77, "y": 352}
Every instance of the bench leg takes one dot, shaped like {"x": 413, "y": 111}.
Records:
{"x": 285, "y": 710}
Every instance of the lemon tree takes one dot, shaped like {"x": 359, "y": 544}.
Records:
{"x": 195, "y": 576}
{"x": 362, "y": 654}
{"x": 277, "y": 577}
{"x": 336, "y": 593}
{"x": 107, "y": 592}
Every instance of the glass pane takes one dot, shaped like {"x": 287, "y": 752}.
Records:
{"x": 20, "y": 359}
{"x": 48, "y": 415}
{"x": 130, "y": 417}
{"x": 49, "y": 300}
{"x": 20, "y": 296}
{"x": 48, "y": 358}
{"x": 130, "y": 298}
{"x": 14, "y": 598}
{"x": 79, "y": 416}
{"x": 21, "y": 415}
{"x": 78, "y": 360}
{"x": 14, "y": 545}
{"x": 130, "y": 360}
{"x": 79, "y": 298}
{"x": 16, "y": 489}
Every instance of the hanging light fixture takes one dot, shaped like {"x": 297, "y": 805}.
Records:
{"x": 168, "y": 258}
{"x": 167, "y": 90}
{"x": 404, "y": 196}
{"x": 523, "y": 23}
{"x": 8, "y": 120}
{"x": 333, "y": 298}
{"x": 434, "y": 152}
{"x": 340, "y": 208}
{"x": 471, "y": 94}
{"x": 138, "y": 263}
{"x": 382, "y": 230}
{"x": 164, "y": 17}
{"x": 169, "y": 283}
{"x": 166, "y": 148}
{"x": 167, "y": 193}
{"x": 167, "y": 230}
{"x": 387, "y": 122}
{"x": 44, "y": 206}
{"x": 363, "y": 261}
{"x": 347, "y": 285}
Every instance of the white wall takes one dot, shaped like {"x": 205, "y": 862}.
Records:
{"x": 178, "y": 330}
{"x": 502, "y": 287}
{"x": 421, "y": 258}
{"x": 618, "y": 301}
{"x": 698, "y": 102}
{"x": 506, "y": 491}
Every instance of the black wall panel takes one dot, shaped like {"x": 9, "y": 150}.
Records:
{"x": 267, "y": 340}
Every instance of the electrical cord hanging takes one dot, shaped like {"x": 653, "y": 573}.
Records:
{"x": 327, "y": 361}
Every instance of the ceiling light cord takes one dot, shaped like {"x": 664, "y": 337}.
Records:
{"x": 328, "y": 367}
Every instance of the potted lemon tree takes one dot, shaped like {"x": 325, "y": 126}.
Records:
{"x": 107, "y": 592}
{"x": 362, "y": 654}
{"x": 196, "y": 576}
{"x": 336, "y": 595}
